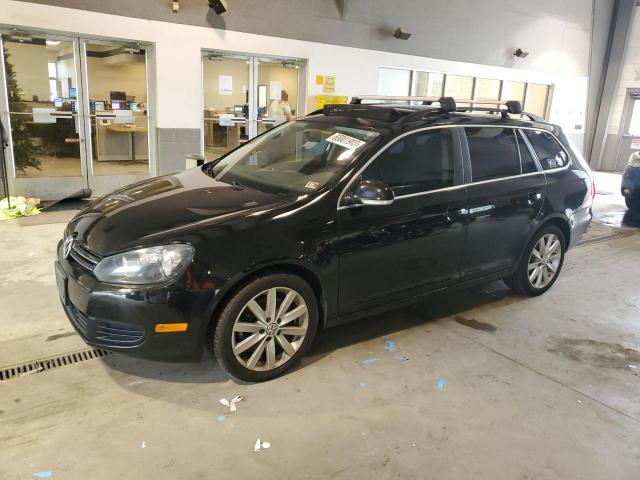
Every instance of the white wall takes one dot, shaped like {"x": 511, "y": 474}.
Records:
{"x": 178, "y": 67}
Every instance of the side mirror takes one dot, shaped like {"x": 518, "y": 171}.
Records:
{"x": 371, "y": 192}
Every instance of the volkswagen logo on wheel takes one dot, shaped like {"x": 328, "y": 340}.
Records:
{"x": 67, "y": 246}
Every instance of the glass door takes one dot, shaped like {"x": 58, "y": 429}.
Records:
{"x": 226, "y": 92}
{"x": 40, "y": 105}
{"x": 243, "y": 96}
{"x": 117, "y": 116}
{"x": 277, "y": 92}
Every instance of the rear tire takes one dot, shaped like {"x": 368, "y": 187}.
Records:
{"x": 266, "y": 327}
{"x": 540, "y": 264}
{"x": 632, "y": 204}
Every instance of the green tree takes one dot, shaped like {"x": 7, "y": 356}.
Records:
{"x": 25, "y": 152}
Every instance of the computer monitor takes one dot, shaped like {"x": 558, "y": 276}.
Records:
{"x": 115, "y": 105}
{"x": 73, "y": 92}
{"x": 57, "y": 102}
{"x": 120, "y": 96}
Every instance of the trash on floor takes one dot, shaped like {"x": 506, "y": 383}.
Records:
{"x": 231, "y": 404}
{"x": 402, "y": 357}
{"x": 633, "y": 367}
{"x": 440, "y": 384}
{"x": 390, "y": 345}
{"x": 260, "y": 445}
{"x": 43, "y": 474}
{"x": 144, "y": 444}
{"x": 370, "y": 360}
{"x": 364, "y": 385}
{"x": 221, "y": 418}
{"x": 20, "y": 207}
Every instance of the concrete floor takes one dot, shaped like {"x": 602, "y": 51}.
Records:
{"x": 539, "y": 388}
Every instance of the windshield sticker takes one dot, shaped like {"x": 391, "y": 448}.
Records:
{"x": 312, "y": 185}
{"x": 345, "y": 141}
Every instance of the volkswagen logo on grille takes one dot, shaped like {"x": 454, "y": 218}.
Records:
{"x": 67, "y": 246}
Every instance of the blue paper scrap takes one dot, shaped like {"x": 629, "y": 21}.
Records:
{"x": 440, "y": 384}
{"x": 390, "y": 345}
{"x": 221, "y": 418}
{"x": 370, "y": 360}
{"x": 43, "y": 474}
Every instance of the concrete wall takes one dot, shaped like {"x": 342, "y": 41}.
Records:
{"x": 557, "y": 33}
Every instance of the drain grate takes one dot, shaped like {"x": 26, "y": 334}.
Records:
{"x": 38, "y": 366}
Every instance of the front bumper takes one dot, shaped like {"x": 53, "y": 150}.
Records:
{"x": 123, "y": 319}
{"x": 630, "y": 187}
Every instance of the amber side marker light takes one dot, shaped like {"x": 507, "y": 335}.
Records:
{"x": 171, "y": 327}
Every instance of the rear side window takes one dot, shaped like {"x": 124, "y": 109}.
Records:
{"x": 493, "y": 152}
{"x": 528, "y": 163}
{"x": 416, "y": 163}
{"x": 549, "y": 151}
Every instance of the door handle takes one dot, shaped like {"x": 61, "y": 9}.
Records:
{"x": 453, "y": 215}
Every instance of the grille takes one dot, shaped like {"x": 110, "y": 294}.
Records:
{"x": 38, "y": 366}
{"x": 114, "y": 334}
{"x": 84, "y": 257}
{"x": 106, "y": 333}
{"x": 79, "y": 319}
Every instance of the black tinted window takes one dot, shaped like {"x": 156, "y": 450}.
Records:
{"x": 549, "y": 151}
{"x": 416, "y": 163}
{"x": 493, "y": 151}
{"x": 528, "y": 163}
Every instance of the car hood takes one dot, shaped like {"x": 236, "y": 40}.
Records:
{"x": 167, "y": 208}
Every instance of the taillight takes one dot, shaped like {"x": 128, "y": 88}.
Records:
{"x": 591, "y": 194}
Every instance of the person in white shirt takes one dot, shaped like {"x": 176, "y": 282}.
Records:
{"x": 280, "y": 110}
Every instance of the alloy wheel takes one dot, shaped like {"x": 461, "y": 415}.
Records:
{"x": 270, "y": 329}
{"x": 544, "y": 260}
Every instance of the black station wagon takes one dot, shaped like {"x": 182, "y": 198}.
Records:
{"x": 343, "y": 213}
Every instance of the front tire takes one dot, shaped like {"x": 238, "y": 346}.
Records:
{"x": 266, "y": 327}
{"x": 540, "y": 264}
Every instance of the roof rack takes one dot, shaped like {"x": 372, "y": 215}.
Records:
{"x": 449, "y": 104}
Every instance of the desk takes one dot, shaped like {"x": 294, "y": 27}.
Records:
{"x": 132, "y": 139}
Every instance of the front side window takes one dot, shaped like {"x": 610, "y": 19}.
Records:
{"x": 549, "y": 151}
{"x": 493, "y": 152}
{"x": 417, "y": 163}
{"x": 298, "y": 157}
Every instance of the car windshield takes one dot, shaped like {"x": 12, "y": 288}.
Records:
{"x": 298, "y": 157}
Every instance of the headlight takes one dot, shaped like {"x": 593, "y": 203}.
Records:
{"x": 146, "y": 265}
{"x": 634, "y": 159}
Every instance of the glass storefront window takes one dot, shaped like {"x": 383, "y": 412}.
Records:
{"x": 513, "y": 91}
{"x": 487, "y": 89}
{"x": 394, "y": 82}
{"x": 397, "y": 82}
{"x": 536, "y": 101}
{"x": 427, "y": 84}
